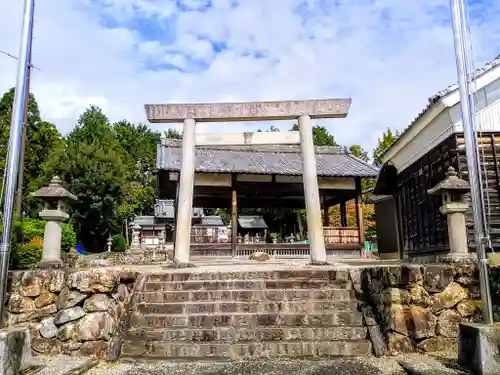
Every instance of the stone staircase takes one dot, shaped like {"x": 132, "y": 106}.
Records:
{"x": 246, "y": 315}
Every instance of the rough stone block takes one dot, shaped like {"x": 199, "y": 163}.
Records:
{"x": 479, "y": 348}
{"x": 15, "y": 352}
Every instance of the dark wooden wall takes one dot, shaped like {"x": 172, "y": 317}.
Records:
{"x": 423, "y": 228}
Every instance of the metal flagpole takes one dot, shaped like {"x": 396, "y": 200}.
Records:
{"x": 462, "y": 49}
{"x": 12, "y": 167}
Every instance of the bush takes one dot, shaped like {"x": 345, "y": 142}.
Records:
{"x": 68, "y": 238}
{"x": 118, "y": 244}
{"x": 35, "y": 228}
{"x": 30, "y": 232}
{"x": 27, "y": 256}
{"x": 37, "y": 240}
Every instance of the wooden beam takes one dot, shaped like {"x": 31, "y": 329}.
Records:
{"x": 343, "y": 214}
{"x": 326, "y": 217}
{"x": 359, "y": 213}
{"x": 234, "y": 217}
{"x": 249, "y": 111}
{"x": 218, "y": 202}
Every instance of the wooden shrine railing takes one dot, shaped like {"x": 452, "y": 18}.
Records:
{"x": 333, "y": 235}
{"x": 341, "y": 235}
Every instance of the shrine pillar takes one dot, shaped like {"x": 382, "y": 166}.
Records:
{"x": 185, "y": 201}
{"x": 311, "y": 192}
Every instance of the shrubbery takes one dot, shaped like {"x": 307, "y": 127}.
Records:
{"x": 27, "y": 242}
{"x": 27, "y": 256}
{"x": 118, "y": 244}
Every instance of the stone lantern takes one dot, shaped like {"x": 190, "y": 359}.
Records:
{"x": 57, "y": 200}
{"x": 136, "y": 242}
{"x": 453, "y": 190}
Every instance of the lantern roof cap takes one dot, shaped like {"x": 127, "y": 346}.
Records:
{"x": 54, "y": 190}
{"x": 452, "y": 183}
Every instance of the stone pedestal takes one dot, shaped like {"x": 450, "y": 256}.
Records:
{"x": 479, "y": 348}
{"x": 51, "y": 257}
{"x": 457, "y": 228}
{"x": 15, "y": 351}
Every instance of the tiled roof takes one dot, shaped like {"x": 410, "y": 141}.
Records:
{"x": 266, "y": 159}
{"x": 213, "y": 221}
{"x": 164, "y": 208}
{"x": 252, "y": 222}
{"x": 442, "y": 93}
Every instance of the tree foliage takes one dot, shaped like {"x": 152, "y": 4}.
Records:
{"x": 42, "y": 139}
{"x": 321, "y": 136}
{"x": 387, "y": 139}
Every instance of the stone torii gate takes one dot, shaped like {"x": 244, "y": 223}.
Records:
{"x": 304, "y": 111}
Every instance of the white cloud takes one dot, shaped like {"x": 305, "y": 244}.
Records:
{"x": 388, "y": 55}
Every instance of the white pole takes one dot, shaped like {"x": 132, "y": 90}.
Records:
{"x": 16, "y": 129}
{"x": 462, "y": 48}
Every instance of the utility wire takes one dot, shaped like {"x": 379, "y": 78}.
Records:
{"x": 15, "y": 58}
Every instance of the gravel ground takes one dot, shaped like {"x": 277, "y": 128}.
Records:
{"x": 358, "y": 366}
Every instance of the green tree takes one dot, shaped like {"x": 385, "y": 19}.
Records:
{"x": 173, "y": 134}
{"x": 138, "y": 144}
{"x": 388, "y": 138}
{"x": 93, "y": 128}
{"x": 91, "y": 164}
{"x": 321, "y": 136}
{"x": 42, "y": 139}
{"x": 272, "y": 128}
{"x": 359, "y": 152}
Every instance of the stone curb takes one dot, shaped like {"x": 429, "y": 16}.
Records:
{"x": 415, "y": 364}
{"x": 67, "y": 366}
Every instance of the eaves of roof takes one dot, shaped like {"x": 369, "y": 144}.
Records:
{"x": 441, "y": 94}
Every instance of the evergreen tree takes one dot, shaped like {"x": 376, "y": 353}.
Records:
{"x": 388, "y": 138}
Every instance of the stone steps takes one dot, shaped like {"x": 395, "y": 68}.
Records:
{"x": 198, "y": 285}
{"x": 244, "y": 315}
{"x": 260, "y": 307}
{"x": 253, "y": 275}
{"x": 332, "y": 318}
{"x": 334, "y": 294}
{"x": 239, "y": 334}
{"x": 250, "y": 350}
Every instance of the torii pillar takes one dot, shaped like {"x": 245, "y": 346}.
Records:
{"x": 190, "y": 114}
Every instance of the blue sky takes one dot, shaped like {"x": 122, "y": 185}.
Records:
{"x": 388, "y": 55}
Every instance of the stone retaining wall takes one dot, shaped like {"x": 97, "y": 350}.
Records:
{"x": 419, "y": 307}
{"x": 70, "y": 311}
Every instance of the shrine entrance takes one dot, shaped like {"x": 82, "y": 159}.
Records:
{"x": 255, "y": 170}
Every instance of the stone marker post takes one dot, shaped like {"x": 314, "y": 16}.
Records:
{"x": 453, "y": 190}
{"x": 56, "y": 199}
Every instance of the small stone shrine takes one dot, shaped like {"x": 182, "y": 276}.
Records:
{"x": 57, "y": 200}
